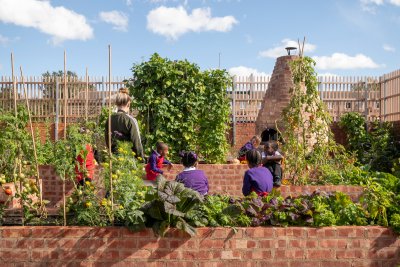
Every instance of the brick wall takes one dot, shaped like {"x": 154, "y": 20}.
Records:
{"x": 338, "y": 133}
{"x": 223, "y": 179}
{"x": 43, "y": 128}
{"x": 292, "y": 246}
{"x": 244, "y": 132}
{"x": 52, "y": 185}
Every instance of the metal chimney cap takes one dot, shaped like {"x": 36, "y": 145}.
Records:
{"x": 289, "y": 48}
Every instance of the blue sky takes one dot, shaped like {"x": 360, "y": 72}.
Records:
{"x": 346, "y": 37}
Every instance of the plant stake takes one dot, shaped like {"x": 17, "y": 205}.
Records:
{"x": 33, "y": 138}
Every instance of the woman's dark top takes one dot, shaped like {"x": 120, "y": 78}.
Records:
{"x": 124, "y": 127}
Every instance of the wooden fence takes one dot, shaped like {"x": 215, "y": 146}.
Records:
{"x": 375, "y": 97}
{"x": 85, "y": 96}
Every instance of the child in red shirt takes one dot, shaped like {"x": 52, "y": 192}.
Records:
{"x": 156, "y": 161}
{"x": 85, "y": 165}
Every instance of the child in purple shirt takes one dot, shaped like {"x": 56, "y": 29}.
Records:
{"x": 190, "y": 177}
{"x": 257, "y": 179}
{"x": 252, "y": 144}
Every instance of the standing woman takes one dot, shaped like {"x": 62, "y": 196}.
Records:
{"x": 124, "y": 127}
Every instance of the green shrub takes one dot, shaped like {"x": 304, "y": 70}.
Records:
{"x": 183, "y": 106}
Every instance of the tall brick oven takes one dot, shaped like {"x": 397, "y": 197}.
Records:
{"x": 276, "y": 98}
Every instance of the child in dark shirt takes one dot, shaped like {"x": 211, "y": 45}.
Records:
{"x": 190, "y": 177}
{"x": 257, "y": 179}
{"x": 156, "y": 161}
{"x": 252, "y": 144}
{"x": 273, "y": 160}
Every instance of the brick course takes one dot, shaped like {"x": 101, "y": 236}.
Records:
{"x": 223, "y": 179}
{"x": 260, "y": 246}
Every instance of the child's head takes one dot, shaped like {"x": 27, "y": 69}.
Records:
{"x": 162, "y": 148}
{"x": 255, "y": 140}
{"x": 270, "y": 147}
{"x": 189, "y": 159}
{"x": 253, "y": 158}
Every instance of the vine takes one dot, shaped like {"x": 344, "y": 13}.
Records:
{"x": 182, "y": 106}
{"x": 308, "y": 140}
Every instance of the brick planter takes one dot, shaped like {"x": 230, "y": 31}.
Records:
{"x": 292, "y": 246}
{"x": 9, "y": 200}
{"x": 223, "y": 179}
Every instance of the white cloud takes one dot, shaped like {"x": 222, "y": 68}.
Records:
{"x": 376, "y": 2}
{"x": 4, "y": 40}
{"x": 327, "y": 74}
{"x": 279, "y": 50}
{"x": 173, "y": 22}
{"x": 395, "y": 2}
{"x": 389, "y": 48}
{"x": 119, "y": 19}
{"x": 343, "y": 61}
{"x": 59, "y": 22}
{"x": 370, "y": 5}
{"x": 128, "y": 2}
{"x": 245, "y": 71}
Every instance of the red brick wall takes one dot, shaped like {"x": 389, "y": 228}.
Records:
{"x": 339, "y": 134}
{"x": 52, "y": 185}
{"x": 292, "y": 246}
{"x": 244, "y": 132}
{"x": 223, "y": 179}
{"x": 44, "y": 128}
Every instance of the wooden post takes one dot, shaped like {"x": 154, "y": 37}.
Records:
{"x": 233, "y": 111}
{"x": 33, "y": 138}
{"x": 65, "y": 130}
{"x": 14, "y": 84}
{"x": 18, "y": 161}
{"x": 87, "y": 95}
{"x": 65, "y": 95}
{"x": 109, "y": 129}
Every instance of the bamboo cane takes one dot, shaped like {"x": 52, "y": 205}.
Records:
{"x": 65, "y": 130}
{"x": 18, "y": 162}
{"x": 109, "y": 129}
{"x": 65, "y": 95}
{"x": 33, "y": 138}
{"x": 14, "y": 84}
{"x": 87, "y": 95}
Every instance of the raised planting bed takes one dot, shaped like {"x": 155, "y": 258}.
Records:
{"x": 293, "y": 246}
{"x": 223, "y": 179}
{"x": 8, "y": 191}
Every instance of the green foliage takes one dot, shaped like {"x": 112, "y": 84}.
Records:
{"x": 169, "y": 205}
{"x": 308, "y": 140}
{"x": 182, "y": 106}
{"x": 45, "y": 151}
{"x": 128, "y": 188}
{"x": 16, "y": 150}
{"x": 85, "y": 208}
{"x": 376, "y": 200}
{"x": 375, "y": 146}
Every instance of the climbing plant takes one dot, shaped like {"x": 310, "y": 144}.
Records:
{"x": 308, "y": 140}
{"x": 181, "y": 105}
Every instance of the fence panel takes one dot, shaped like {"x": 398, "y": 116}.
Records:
{"x": 390, "y": 96}
{"x": 375, "y": 97}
